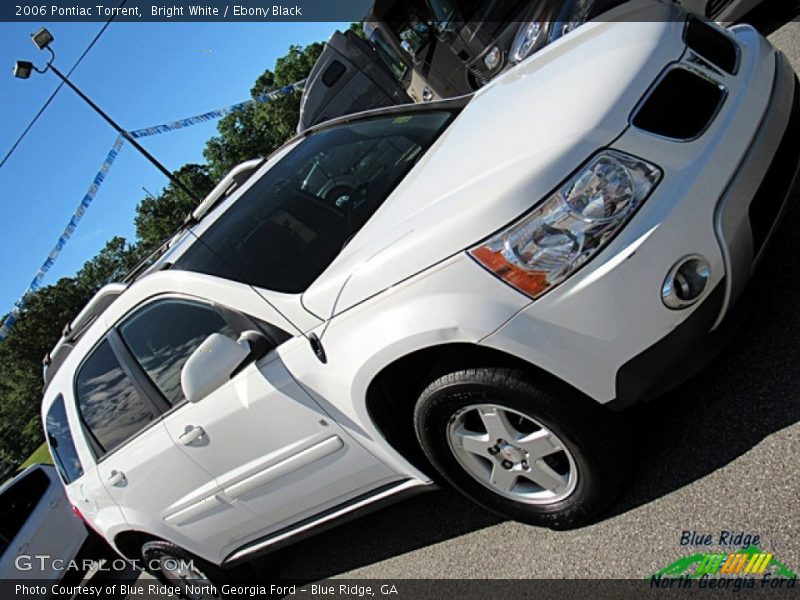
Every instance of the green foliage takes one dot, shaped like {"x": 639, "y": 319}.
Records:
{"x": 254, "y": 131}
{"x": 158, "y": 217}
{"x": 257, "y": 130}
{"x": 111, "y": 264}
{"x": 358, "y": 29}
{"x": 36, "y": 331}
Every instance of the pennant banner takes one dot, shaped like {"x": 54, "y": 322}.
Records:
{"x": 64, "y": 237}
{"x": 36, "y": 283}
{"x": 219, "y": 113}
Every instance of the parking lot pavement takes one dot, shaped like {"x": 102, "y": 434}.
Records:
{"x": 720, "y": 453}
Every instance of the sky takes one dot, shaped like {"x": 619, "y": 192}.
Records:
{"x": 141, "y": 74}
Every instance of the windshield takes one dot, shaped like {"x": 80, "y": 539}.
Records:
{"x": 411, "y": 24}
{"x": 285, "y": 230}
{"x": 445, "y": 14}
{"x": 387, "y": 54}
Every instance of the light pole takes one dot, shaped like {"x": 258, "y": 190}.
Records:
{"x": 23, "y": 70}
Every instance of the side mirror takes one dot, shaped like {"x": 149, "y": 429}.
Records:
{"x": 217, "y": 359}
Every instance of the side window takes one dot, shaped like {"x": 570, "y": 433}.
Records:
{"x": 164, "y": 334}
{"x": 61, "y": 445}
{"x": 110, "y": 406}
{"x": 17, "y": 503}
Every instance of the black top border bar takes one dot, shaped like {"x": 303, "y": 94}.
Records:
{"x": 134, "y": 11}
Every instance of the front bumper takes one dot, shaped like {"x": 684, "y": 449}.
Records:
{"x": 606, "y": 331}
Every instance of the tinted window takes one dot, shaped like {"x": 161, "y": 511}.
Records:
{"x": 411, "y": 24}
{"x": 163, "y": 335}
{"x": 110, "y": 406}
{"x": 61, "y": 445}
{"x": 385, "y": 51}
{"x": 290, "y": 225}
{"x": 333, "y": 72}
{"x": 17, "y": 503}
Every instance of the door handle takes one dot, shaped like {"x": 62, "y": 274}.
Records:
{"x": 23, "y": 548}
{"x": 117, "y": 478}
{"x": 54, "y": 502}
{"x": 192, "y": 434}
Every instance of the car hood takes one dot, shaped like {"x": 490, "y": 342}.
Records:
{"x": 510, "y": 147}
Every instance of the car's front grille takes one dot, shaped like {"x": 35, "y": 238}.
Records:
{"x": 481, "y": 77}
{"x": 712, "y": 44}
{"x": 778, "y": 179}
{"x": 681, "y": 106}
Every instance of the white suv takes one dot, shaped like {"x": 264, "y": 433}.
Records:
{"x": 466, "y": 287}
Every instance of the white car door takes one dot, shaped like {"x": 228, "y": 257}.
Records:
{"x": 142, "y": 470}
{"x": 260, "y": 436}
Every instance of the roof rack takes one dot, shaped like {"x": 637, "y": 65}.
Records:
{"x": 151, "y": 259}
{"x": 237, "y": 176}
{"x": 233, "y": 180}
{"x": 77, "y": 327}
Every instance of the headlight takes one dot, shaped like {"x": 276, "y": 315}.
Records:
{"x": 493, "y": 58}
{"x": 565, "y": 231}
{"x": 524, "y": 41}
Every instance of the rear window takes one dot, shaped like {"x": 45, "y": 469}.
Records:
{"x": 17, "y": 503}
{"x": 284, "y": 231}
{"x": 62, "y": 447}
{"x": 110, "y": 406}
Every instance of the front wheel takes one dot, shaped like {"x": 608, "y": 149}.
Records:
{"x": 520, "y": 451}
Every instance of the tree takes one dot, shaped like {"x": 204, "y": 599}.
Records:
{"x": 36, "y": 331}
{"x": 259, "y": 129}
{"x": 358, "y": 29}
{"x": 157, "y": 218}
{"x": 112, "y": 263}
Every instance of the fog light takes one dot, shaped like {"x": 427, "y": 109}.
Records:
{"x": 685, "y": 282}
{"x": 492, "y": 58}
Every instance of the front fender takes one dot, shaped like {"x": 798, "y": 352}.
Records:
{"x": 454, "y": 301}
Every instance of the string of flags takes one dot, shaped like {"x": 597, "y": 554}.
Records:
{"x": 219, "y": 113}
{"x": 102, "y": 173}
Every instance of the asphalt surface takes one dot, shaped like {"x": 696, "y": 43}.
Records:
{"x": 718, "y": 453}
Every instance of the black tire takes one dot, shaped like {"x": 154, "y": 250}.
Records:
{"x": 594, "y": 436}
{"x": 157, "y": 552}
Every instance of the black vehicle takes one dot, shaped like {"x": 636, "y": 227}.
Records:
{"x": 429, "y": 49}
{"x": 459, "y": 45}
{"x": 351, "y": 75}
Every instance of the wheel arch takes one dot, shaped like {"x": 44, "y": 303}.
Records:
{"x": 392, "y": 393}
{"x": 129, "y": 543}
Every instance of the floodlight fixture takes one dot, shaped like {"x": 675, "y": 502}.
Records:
{"x": 23, "y": 69}
{"x": 42, "y": 38}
